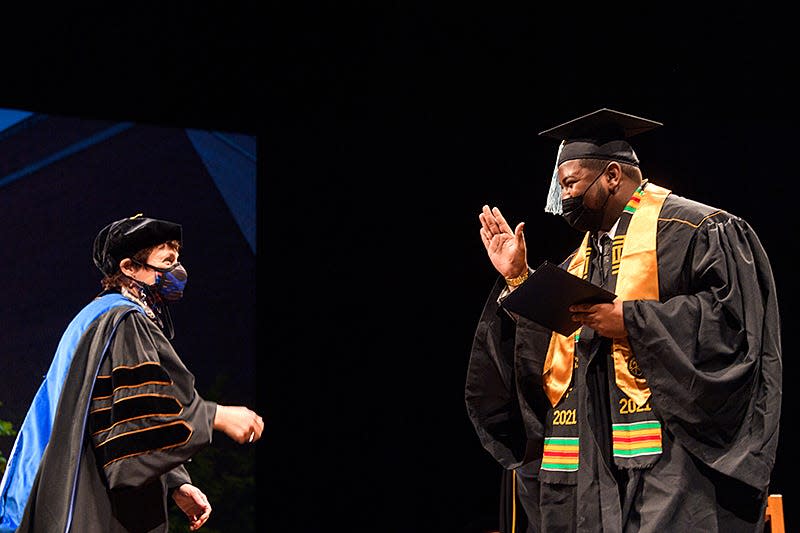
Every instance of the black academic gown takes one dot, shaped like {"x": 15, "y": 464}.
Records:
{"x": 710, "y": 351}
{"x": 128, "y": 418}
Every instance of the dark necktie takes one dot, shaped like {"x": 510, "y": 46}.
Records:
{"x": 603, "y": 262}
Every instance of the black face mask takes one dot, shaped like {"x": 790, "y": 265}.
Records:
{"x": 579, "y": 216}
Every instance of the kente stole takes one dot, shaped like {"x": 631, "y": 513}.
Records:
{"x": 637, "y": 279}
{"x": 639, "y": 435}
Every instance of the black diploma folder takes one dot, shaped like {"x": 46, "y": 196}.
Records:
{"x": 547, "y": 294}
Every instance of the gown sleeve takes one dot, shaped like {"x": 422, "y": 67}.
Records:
{"x": 711, "y": 353}
{"x": 506, "y": 428}
{"x": 146, "y": 419}
{"x": 177, "y": 477}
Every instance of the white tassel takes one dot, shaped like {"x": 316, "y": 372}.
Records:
{"x": 553, "y": 204}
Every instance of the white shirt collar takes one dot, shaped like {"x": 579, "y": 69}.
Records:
{"x": 611, "y": 233}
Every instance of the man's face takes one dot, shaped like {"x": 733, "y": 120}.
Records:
{"x": 576, "y": 180}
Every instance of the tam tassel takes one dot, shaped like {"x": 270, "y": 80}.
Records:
{"x": 554, "y": 194}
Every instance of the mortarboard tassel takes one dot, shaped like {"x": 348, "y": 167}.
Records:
{"x": 554, "y": 194}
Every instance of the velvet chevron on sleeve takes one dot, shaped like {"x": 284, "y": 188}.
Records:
{"x": 115, "y": 421}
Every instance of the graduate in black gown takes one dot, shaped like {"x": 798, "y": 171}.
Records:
{"x": 660, "y": 412}
{"x": 104, "y": 443}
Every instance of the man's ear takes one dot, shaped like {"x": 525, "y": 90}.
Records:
{"x": 614, "y": 173}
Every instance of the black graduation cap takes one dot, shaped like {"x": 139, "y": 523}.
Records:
{"x": 123, "y": 238}
{"x": 601, "y": 134}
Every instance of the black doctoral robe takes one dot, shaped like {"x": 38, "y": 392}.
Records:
{"x": 128, "y": 418}
{"x": 710, "y": 351}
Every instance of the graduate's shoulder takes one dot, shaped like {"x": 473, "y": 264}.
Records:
{"x": 681, "y": 210}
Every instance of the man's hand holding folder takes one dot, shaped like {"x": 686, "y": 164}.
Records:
{"x": 558, "y": 300}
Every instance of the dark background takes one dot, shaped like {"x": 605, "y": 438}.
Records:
{"x": 382, "y": 130}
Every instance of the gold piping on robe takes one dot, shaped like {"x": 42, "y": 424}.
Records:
{"x": 637, "y": 280}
